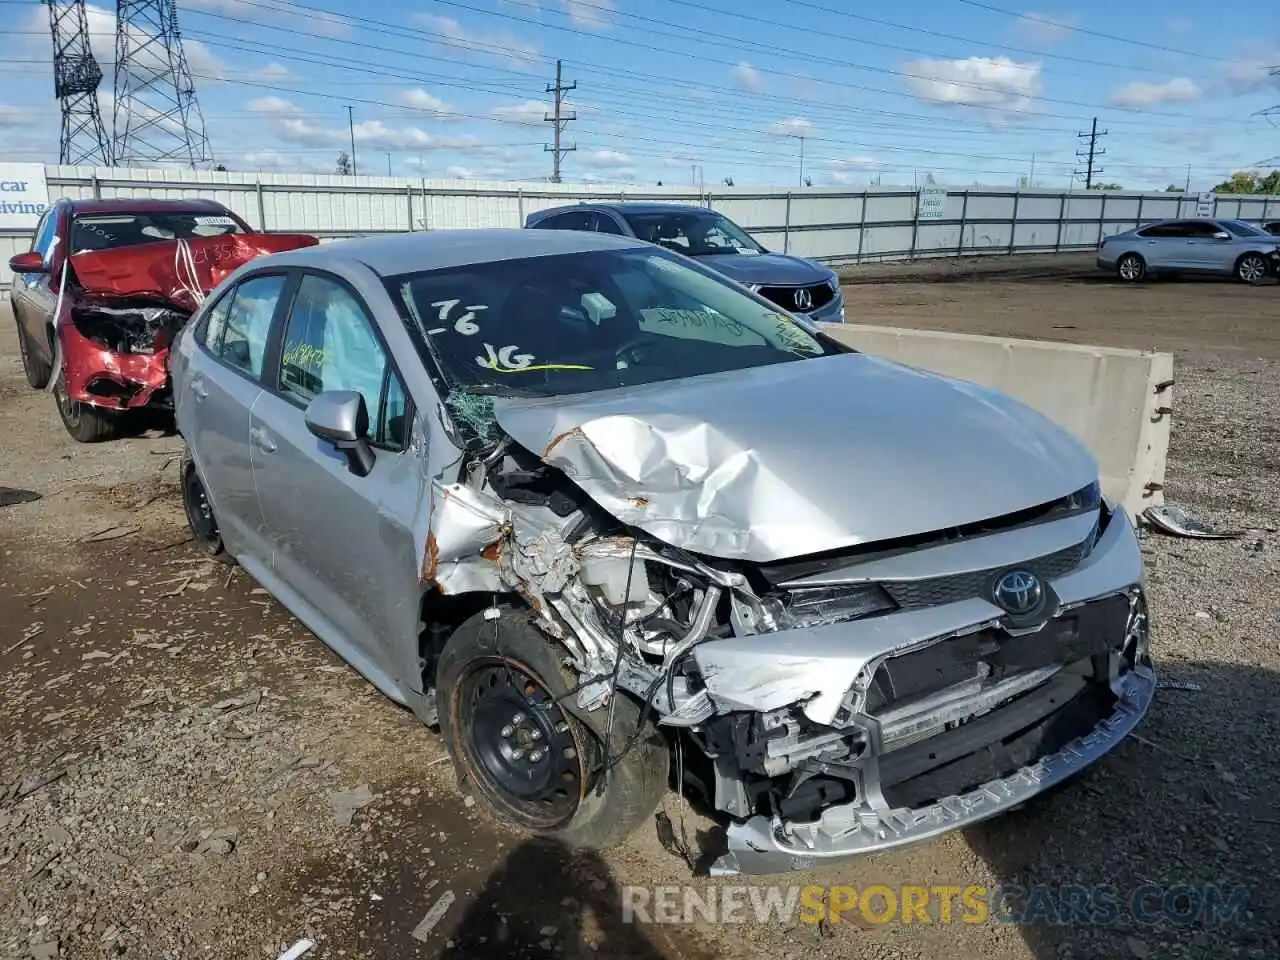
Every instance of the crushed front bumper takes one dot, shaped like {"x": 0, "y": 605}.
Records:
{"x": 760, "y": 845}
{"x": 1043, "y": 736}
{"x": 101, "y": 377}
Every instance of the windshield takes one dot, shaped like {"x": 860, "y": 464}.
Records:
{"x": 581, "y": 322}
{"x": 1242, "y": 229}
{"x": 109, "y": 231}
{"x": 693, "y": 233}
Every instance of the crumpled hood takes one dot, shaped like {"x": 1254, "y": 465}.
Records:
{"x": 801, "y": 457}
{"x": 766, "y": 268}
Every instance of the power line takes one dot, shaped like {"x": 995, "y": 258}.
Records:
{"x": 1091, "y": 154}
{"x": 560, "y": 118}
{"x": 980, "y": 4}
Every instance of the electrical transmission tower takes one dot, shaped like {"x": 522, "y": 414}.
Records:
{"x": 560, "y": 117}
{"x": 1090, "y": 155}
{"x": 157, "y": 118}
{"x": 76, "y": 78}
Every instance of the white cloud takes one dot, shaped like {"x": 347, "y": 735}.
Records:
{"x": 419, "y": 99}
{"x": 608, "y": 159}
{"x": 272, "y": 106}
{"x": 267, "y": 11}
{"x": 504, "y": 46}
{"x": 11, "y": 116}
{"x": 746, "y": 77}
{"x": 850, "y": 169}
{"x": 276, "y": 161}
{"x": 792, "y": 127}
{"x": 1044, "y": 28}
{"x": 275, "y": 71}
{"x": 975, "y": 81}
{"x": 1252, "y": 71}
{"x": 1142, "y": 94}
{"x": 589, "y": 14}
{"x": 531, "y": 112}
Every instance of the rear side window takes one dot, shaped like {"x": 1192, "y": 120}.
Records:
{"x": 1164, "y": 230}
{"x": 578, "y": 220}
{"x": 240, "y": 323}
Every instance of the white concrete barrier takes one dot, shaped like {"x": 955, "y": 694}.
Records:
{"x": 1118, "y": 402}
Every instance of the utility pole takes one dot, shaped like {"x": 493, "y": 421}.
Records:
{"x": 351, "y": 129}
{"x": 559, "y": 118}
{"x": 1090, "y": 156}
{"x": 1031, "y": 180}
{"x": 388, "y": 163}
{"x": 1187, "y": 187}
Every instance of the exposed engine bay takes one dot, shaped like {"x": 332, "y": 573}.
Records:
{"x": 836, "y": 702}
{"x": 128, "y": 328}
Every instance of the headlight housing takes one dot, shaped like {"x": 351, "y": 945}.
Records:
{"x": 1085, "y": 499}
{"x": 834, "y": 283}
{"x": 815, "y": 606}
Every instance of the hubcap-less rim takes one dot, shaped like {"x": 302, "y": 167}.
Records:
{"x": 1252, "y": 269}
{"x": 521, "y": 743}
{"x": 199, "y": 512}
{"x": 69, "y": 408}
{"x": 1130, "y": 268}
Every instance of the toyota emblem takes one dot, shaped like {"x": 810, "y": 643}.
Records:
{"x": 804, "y": 299}
{"x": 1019, "y": 592}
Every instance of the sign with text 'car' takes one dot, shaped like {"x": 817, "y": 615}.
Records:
{"x": 24, "y": 195}
{"x": 933, "y": 203}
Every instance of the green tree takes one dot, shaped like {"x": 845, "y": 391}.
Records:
{"x": 1174, "y": 188}
{"x": 1250, "y": 181}
{"x": 343, "y": 166}
{"x": 1106, "y": 186}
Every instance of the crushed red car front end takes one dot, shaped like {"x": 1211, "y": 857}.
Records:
{"x": 126, "y": 306}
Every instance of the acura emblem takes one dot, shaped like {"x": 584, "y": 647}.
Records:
{"x": 804, "y": 299}
{"x": 1019, "y": 591}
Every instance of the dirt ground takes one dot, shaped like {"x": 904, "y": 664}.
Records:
{"x": 186, "y": 771}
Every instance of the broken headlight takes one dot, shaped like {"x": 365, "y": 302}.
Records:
{"x": 815, "y": 606}
{"x": 1085, "y": 499}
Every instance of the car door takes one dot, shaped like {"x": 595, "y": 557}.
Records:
{"x": 1163, "y": 245}
{"x": 346, "y": 555}
{"x": 1206, "y": 248}
{"x": 219, "y": 390}
{"x": 32, "y": 295}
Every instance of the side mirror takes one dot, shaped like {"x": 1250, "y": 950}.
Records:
{"x": 1222, "y": 235}
{"x": 339, "y": 417}
{"x": 31, "y": 262}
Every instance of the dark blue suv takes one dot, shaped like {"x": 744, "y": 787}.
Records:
{"x": 799, "y": 286}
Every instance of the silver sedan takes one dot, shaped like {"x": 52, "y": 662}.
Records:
{"x": 1224, "y": 247}
{"x": 591, "y": 508}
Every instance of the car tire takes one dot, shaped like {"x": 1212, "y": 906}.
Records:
{"x": 37, "y": 371}
{"x": 85, "y": 422}
{"x": 499, "y": 685}
{"x": 1252, "y": 269}
{"x": 1131, "y": 268}
{"x": 195, "y": 503}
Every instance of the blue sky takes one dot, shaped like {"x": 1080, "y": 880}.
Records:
{"x": 680, "y": 90}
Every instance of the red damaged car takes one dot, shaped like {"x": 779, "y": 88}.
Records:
{"x": 104, "y": 289}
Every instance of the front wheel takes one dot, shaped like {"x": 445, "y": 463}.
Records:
{"x": 1252, "y": 268}
{"x": 37, "y": 371}
{"x": 1131, "y": 268}
{"x": 528, "y": 759}
{"x": 85, "y": 422}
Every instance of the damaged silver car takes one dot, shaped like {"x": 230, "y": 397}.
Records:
{"x": 591, "y": 509}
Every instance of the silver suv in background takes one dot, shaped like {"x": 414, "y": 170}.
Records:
{"x": 1226, "y": 247}
{"x": 797, "y": 285}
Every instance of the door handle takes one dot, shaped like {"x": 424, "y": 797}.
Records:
{"x": 199, "y": 389}
{"x": 264, "y": 442}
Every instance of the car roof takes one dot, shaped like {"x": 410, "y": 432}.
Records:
{"x": 146, "y": 205}
{"x": 626, "y": 206}
{"x": 440, "y": 249}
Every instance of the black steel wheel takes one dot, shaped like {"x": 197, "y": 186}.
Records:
{"x": 524, "y": 746}
{"x": 526, "y": 753}
{"x": 199, "y": 511}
